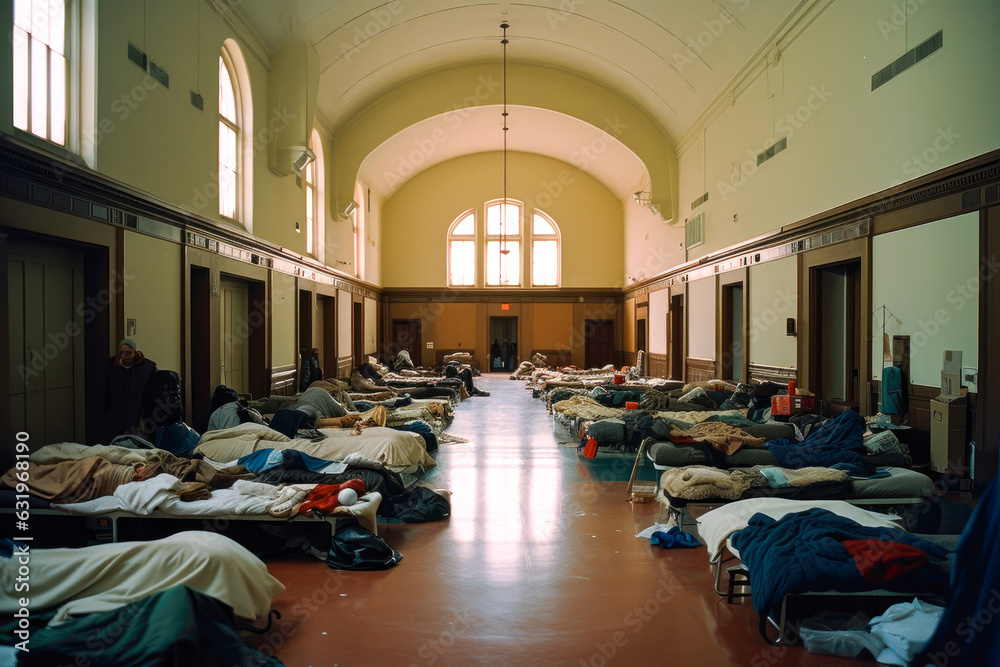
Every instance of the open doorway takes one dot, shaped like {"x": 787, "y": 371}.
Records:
{"x": 733, "y": 330}
{"x": 835, "y": 347}
{"x": 503, "y": 344}
{"x": 675, "y": 342}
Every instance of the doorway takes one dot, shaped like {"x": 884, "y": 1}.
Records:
{"x": 835, "y": 348}
{"x": 503, "y": 329}
{"x": 306, "y": 320}
{"x": 640, "y": 339}
{"x": 406, "y": 336}
{"x": 733, "y": 340}
{"x": 200, "y": 384}
{"x": 326, "y": 334}
{"x": 359, "y": 333}
{"x": 675, "y": 342}
{"x": 45, "y": 323}
{"x": 234, "y": 345}
{"x": 599, "y": 340}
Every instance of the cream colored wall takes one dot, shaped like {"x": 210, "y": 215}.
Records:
{"x": 149, "y": 265}
{"x": 371, "y": 326}
{"x": 345, "y": 315}
{"x": 659, "y": 304}
{"x": 415, "y": 221}
{"x": 453, "y": 89}
{"x": 929, "y": 278}
{"x": 284, "y": 320}
{"x": 552, "y": 327}
{"x": 700, "y": 313}
{"x": 773, "y": 298}
{"x": 844, "y": 140}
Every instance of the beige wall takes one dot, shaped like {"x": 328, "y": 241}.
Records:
{"x": 345, "y": 317}
{"x": 552, "y": 326}
{"x": 929, "y": 277}
{"x": 659, "y": 304}
{"x": 700, "y": 313}
{"x": 284, "y": 320}
{"x": 151, "y": 263}
{"x": 773, "y": 299}
{"x": 415, "y": 221}
{"x": 371, "y": 326}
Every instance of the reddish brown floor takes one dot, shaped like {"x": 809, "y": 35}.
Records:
{"x": 538, "y": 565}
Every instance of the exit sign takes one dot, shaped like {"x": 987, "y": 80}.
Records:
{"x": 504, "y": 306}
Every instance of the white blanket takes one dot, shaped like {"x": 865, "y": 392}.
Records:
{"x": 108, "y": 576}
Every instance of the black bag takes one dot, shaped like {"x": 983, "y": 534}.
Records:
{"x": 418, "y": 505}
{"x": 162, "y": 401}
{"x": 354, "y": 547}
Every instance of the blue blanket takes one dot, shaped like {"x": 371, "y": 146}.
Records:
{"x": 803, "y": 552}
{"x": 837, "y": 440}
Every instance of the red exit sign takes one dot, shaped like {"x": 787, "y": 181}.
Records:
{"x": 504, "y": 306}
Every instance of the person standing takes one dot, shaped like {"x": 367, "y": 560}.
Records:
{"x": 504, "y": 353}
{"x": 125, "y": 378}
{"x": 495, "y": 362}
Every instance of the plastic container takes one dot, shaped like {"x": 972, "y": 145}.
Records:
{"x": 619, "y": 378}
{"x": 631, "y": 405}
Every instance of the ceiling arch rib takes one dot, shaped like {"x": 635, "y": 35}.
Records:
{"x": 532, "y": 130}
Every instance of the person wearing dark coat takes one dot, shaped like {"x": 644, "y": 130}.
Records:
{"x": 125, "y": 378}
{"x": 495, "y": 354}
{"x": 504, "y": 354}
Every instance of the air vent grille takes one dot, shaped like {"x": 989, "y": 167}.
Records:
{"x": 699, "y": 201}
{"x": 694, "y": 233}
{"x": 772, "y": 150}
{"x": 908, "y": 60}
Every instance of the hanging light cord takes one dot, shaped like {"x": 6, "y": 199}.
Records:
{"x": 503, "y": 206}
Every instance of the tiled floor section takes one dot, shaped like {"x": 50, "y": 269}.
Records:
{"x": 538, "y": 565}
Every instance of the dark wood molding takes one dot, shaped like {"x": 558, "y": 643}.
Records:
{"x": 659, "y": 365}
{"x": 700, "y": 370}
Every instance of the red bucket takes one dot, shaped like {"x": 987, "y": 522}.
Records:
{"x": 619, "y": 378}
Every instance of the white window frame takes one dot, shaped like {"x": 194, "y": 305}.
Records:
{"x": 510, "y": 238}
{"x": 557, "y": 237}
{"x": 239, "y": 75}
{"x": 474, "y": 237}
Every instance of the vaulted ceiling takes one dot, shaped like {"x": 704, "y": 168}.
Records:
{"x": 671, "y": 58}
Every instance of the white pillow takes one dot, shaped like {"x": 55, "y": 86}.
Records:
{"x": 716, "y": 526}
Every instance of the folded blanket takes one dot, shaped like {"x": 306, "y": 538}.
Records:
{"x": 724, "y": 437}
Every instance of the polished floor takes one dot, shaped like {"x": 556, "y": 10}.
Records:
{"x": 538, "y": 565}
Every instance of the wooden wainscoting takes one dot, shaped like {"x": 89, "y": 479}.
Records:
{"x": 554, "y": 358}
{"x": 779, "y": 374}
{"x": 627, "y": 358}
{"x": 344, "y": 366}
{"x": 284, "y": 380}
{"x": 700, "y": 370}
{"x": 658, "y": 365}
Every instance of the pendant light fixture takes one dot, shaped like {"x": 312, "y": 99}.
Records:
{"x": 503, "y": 205}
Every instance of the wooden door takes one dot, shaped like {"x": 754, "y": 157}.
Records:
{"x": 675, "y": 327}
{"x": 235, "y": 346}
{"x": 599, "y": 338}
{"x": 46, "y": 342}
{"x": 406, "y": 336}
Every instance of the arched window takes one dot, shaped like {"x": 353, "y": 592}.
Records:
{"x": 315, "y": 198}
{"x": 545, "y": 269}
{"x": 462, "y": 251}
{"x": 503, "y": 244}
{"x": 235, "y": 136}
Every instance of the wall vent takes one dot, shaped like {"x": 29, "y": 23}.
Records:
{"x": 158, "y": 73}
{"x": 908, "y": 60}
{"x": 699, "y": 201}
{"x": 992, "y": 194}
{"x": 136, "y": 56}
{"x": 772, "y": 150}
{"x": 694, "y": 233}
{"x": 970, "y": 199}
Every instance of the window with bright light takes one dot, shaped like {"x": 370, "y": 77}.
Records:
{"x": 503, "y": 244}
{"x": 544, "y": 251}
{"x": 462, "y": 251}
{"x": 315, "y": 228}
{"x": 40, "y": 68}
{"x": 229, "y": 139}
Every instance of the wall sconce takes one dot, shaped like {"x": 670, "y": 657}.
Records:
{"x": 643, "y": 199}
{"x": 351, "y": 207}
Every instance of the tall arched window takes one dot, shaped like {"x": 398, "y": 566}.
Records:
{"x": 235, "y": 137}
{"x": 315, "y": 198}
{"x": 503, "y": 244}
{"x": 462, "y": 251}
{"x": 545, "y": 270}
